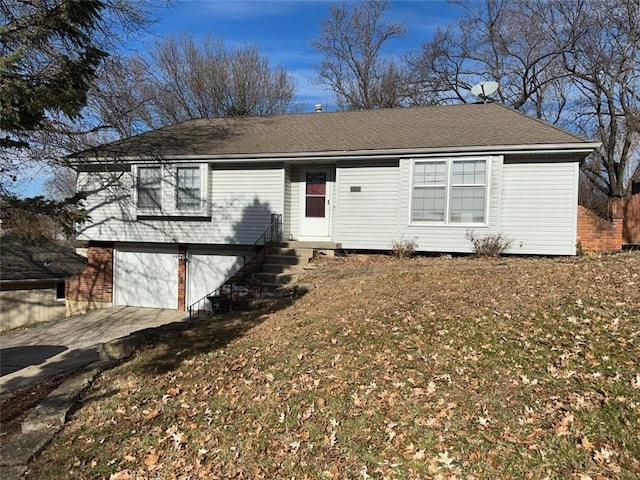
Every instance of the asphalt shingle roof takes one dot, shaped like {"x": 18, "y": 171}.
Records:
{"x": 48, "y": 261}
{"x": 453, "y": 126}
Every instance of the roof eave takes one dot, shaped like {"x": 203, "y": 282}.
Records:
{"x": 6, "y": 281}
{"x": 577, "y": 148}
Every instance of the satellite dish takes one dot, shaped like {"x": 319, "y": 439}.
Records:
{"x": 484, "y": 89}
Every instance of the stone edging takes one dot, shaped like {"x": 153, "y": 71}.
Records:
{"x": 49, "y": 417}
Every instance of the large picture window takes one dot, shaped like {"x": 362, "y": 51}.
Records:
{"x": 149, "y": 186}
{"x": 187, "y": 188}
{"x": 450, "y": 191}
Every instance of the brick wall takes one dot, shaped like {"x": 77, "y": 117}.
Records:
{"x": 598, "y": 234}
{"x": 93, "y": 287}
{"x": 627, "y": 208}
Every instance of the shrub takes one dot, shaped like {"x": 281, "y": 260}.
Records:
{"x": 492, "y": 245}
{"x": 404, "y": 248}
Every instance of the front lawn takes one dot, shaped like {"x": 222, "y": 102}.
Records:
{"x": 425, "y": 368}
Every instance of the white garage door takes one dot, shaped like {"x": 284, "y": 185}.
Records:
{"x": 146, "y": 279}
{"x": 207, "y": 272}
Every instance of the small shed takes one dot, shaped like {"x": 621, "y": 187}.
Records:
{"x": 32, "y": 280}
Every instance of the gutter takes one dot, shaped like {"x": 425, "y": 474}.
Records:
{"x": 33, "y": 280}
{"x": 582, "y": 148}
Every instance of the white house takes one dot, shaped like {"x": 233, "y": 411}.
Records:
{"x": 203, "y": 190}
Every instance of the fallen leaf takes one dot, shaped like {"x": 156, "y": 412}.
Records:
{"x": 586, "y": 444}
{"x": 121, "y": 475}
{"x": 174, "y": 391}
{"x": 151, "y": 459}
{"x": 150, "y": 414}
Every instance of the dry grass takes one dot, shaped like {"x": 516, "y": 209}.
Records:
{"x": 426, "y": 368}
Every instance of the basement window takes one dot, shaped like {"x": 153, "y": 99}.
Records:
{"x": 60, "y": 291}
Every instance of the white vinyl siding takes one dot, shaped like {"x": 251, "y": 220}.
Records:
{"x": 239, "y": 207}
{"x": 242, "y": 201}
{"x": 366, "y": 215}
{"x": 539, "y": 207}
{"x": 286, "y": 226}
{"x": 110, "y": 207}
{"x": 294, "y": 209}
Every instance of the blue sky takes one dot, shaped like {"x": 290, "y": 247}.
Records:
{"x": 282, "y": 30}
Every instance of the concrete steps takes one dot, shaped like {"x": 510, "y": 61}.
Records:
{"x": 283, "y": 266}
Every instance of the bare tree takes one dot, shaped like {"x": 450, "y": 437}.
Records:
{"x": 505, "y": 40}
{"x": 184, "y": 80}
{"x": 61, "y": 185}
{"x": 180, "y": 80}
{"x": 351, "y": 40}
{"x": 573, "y": 64}
{"x": 604, "y": 69}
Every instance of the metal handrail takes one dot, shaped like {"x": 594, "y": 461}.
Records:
{"x": 237, "y": 289}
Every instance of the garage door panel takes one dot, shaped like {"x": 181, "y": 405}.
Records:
{"x": 146, "y": 279}
{"x": 208, "y": 272}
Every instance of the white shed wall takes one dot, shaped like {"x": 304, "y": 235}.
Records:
{"x": 539, "y": 207}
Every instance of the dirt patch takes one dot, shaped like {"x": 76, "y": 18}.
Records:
{"x": 16, "y": 405}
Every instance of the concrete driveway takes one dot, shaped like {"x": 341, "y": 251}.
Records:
{"x": 37, "y": 353}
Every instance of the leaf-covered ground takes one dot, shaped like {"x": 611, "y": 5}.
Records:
{"x": 452, "y": 368}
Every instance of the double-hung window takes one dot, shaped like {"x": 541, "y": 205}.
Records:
{"x": 170, "y": 191}
{"x": 188, "y": 188}
{"x": 450, "y": 191}
{"x": 149, "y": 188}
{"x": 429, "y": 191}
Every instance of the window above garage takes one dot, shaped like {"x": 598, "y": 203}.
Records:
{"x": 171, "y": 191}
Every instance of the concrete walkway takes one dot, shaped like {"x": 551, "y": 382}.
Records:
{"x": 79, "y": 348}
{"x": 35, "y": 354}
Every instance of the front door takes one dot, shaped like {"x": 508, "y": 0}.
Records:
{"x": 315, "y": 211}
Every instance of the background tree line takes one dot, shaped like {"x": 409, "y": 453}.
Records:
{"x": 572, "y": 63}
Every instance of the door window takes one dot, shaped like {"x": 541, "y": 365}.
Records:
{"x": 315, "y": 194}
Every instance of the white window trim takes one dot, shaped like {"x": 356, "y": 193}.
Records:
{"x": 448, "y": 186}
{"x": 202, "y": 209}
{"x": 145, "y": 210}
{"x": 168, "y": 188}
